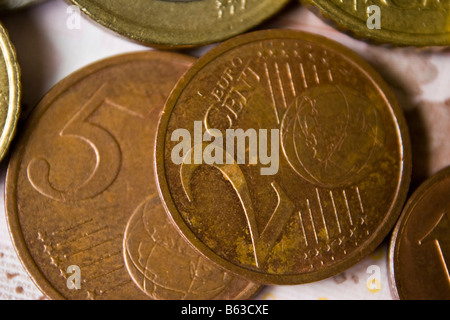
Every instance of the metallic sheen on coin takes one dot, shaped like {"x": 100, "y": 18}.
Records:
{"x": 81, "y": 172}
{"x": 343, "y": 156}
{"x": 419, "y": 257}
{"x": 398, "y": 22}
{"x": 180, "y": 23}
{"x": 10, "y": 92}
{"x": 165, "y": 267}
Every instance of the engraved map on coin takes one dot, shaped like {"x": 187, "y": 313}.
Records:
{"x": 344, "y": 158}
{"x": 420, "y": 245}
{"x": 84, "y": 167}
{"x": 164, "y": 266}
{"x": 330, "y": 134}
{"x": 401, "y": 22}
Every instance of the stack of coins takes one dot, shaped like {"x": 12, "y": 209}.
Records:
{"x": 279, "y": 157}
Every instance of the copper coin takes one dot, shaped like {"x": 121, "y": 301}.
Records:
{"x": 82, "y": 167}
{"x": 10, "y": 92}
{"x": 419, "y": 257}
{"x": 165, "y": 267}
{"x": 328, "y": 180}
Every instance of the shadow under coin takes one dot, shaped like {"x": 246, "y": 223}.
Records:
{"x": 33, "y": 50}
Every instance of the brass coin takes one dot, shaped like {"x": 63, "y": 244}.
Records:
{"x": 180, "y": 23}
{"x": 344, "y": 157}
{"x": 419, "y": 256}
{"x": 82, "y": 167}
{"x": 398, "y": 22}
{"x": 10, "y": 92}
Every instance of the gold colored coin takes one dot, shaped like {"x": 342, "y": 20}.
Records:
{"x": 283, "y": 157}
{"x": 82, "y": 167}
{"x": 419, "y": 256}
{"x": 180, "y": 23}
{"x": 10, "y": 92}
{"x": 399, "y": 22}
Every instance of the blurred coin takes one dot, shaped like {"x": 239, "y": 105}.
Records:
{"x": 17, "y": 4}
{"x": 180, "y": 23}
{"x": 10, "y": 91}
{"x": 399, "y": 22}
{"x": 82, "y": 167}
{"x": 420, "y": 246}
{"x": 325, "y": 189}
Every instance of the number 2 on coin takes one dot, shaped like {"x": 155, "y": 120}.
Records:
{"x": 263, "y": 242}
{"x": 434, "y": 235}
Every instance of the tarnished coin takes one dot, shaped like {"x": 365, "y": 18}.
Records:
{"x": 399, "y": 22}
{"x": 283, "y": 157}
{"x": 180, "y": 23}
{"x": 165, "y": 267}
{"x": 419, "y": 256}
{"x": 82, "y": 167}
{"x": 10, "y": 92}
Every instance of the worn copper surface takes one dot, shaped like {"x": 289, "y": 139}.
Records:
{"x": 401, "y": 22}
{"x": 180, "y": 23}
{"x": 82, "y": 167}
{"x": 165, "y": 267}
{"x": 420, "y": 245}
{"x": 345, "y": 158}
{"x": 10, "y": 91}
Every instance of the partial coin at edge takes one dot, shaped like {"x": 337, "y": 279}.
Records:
{"x": 420, "y": 246}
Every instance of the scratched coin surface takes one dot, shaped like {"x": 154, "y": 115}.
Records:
{"x": 10, "y": 92}
{"x": 343, "y": 155}
{"x": 180, "y": 23}
{"x": 165, "y": 267}
{"x": 82, "y": 167}
{"x": 420, "y": 246}
{"x": 399, "y": 22}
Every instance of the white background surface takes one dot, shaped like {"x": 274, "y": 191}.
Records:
{"x": 48, "y": 50}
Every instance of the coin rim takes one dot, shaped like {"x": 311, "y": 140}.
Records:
{"x": 348, "y": 22}
{"x": 418, "y": 195}
{"x": 163, "y": 41}
{"x": 10, "y": 191}
{"x": 15, "y": 92}
{"x": 402, "y": 187}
